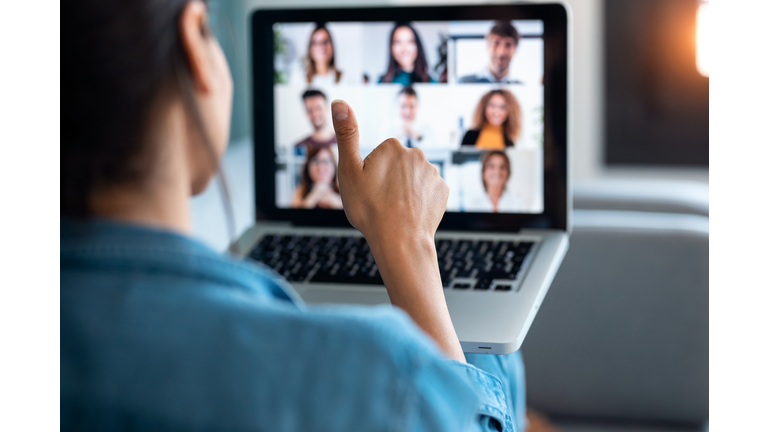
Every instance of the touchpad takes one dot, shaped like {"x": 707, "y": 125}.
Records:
{"x": 362, "y": 296}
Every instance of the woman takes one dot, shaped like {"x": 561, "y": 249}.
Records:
{"x": 319, "y": 188}
{"x": 495, "y": 172}
{"x": 407, "y": 62}
{"x": 159, "y": 332}
{"x": 497, "y": 121}
{"x": 321, "y": 59}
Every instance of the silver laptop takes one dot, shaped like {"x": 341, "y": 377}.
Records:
{"x": 483, "y": 90}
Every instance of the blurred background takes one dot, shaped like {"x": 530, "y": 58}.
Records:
{"x": 621, "y": 341}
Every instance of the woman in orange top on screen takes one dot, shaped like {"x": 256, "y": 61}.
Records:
{"x": 497, "y": 121}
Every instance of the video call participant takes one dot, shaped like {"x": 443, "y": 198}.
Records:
{"x": 496, "y": 172}
{"x": 408, "y": 130}
{"x": 321, "y": 60}
{"x": 501, "y": 43}
{"x": 497, "y": 121}
{"x": 316, "y": 105}
{"x": 319, "y": 187}
{"x": 407, "y": 62}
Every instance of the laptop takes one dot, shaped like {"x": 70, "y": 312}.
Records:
{"x": 483, "y": 90}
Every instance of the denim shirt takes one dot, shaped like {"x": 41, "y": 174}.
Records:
{"x": 158, "y": 332}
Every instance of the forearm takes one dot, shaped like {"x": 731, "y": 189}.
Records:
{"x": 410, "y": 272}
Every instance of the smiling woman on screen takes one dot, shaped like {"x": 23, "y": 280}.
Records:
{"x": 407, "y": 61}
{"x": 497, "y": 121}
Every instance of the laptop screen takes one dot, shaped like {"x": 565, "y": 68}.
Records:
{"x": 470, "y": 94}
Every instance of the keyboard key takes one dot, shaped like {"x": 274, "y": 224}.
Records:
{"x": 503, "y": 287}
{"x": 497, "y": 275}
{"x": 461, "y": 285}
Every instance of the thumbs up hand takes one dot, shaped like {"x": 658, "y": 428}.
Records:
{"x": 392, "y": 195}
{"x": 396, "y": 198}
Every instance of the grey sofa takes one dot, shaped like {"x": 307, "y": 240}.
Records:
{"x": 621, "y": 340}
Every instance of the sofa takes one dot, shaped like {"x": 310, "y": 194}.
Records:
{"x": 621, "y": 341}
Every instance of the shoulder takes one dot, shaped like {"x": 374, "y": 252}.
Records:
{"x": 470, "y": 137}
{"x": 470, "y": 79}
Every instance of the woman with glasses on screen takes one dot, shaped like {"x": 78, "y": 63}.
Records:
{"x": 497, "y": 121}
{"x": 318, "y": 188}
{"x": 407, "y": 61}
{"x": 159, "y": 332}
{"x": 321, "y": 59}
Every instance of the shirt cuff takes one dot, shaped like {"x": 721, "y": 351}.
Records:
{"x": 492, "y": 402}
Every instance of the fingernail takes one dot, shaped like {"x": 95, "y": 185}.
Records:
{"x": 339, "y": 110}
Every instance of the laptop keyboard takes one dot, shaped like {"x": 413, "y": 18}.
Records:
{"x": 464, "y": 264}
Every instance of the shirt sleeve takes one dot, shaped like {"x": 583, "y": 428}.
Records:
{"x": 481, "y": 403}
{"x": 448, "y": 394}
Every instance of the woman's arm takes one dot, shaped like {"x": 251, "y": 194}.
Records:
{"x": 396, "y": 198}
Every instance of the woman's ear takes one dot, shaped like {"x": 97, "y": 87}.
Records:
{"x": 193, "y": 31}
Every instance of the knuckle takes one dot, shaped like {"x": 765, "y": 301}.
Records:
{"x": 390, "y": 142}
{"x": 444, "y": 189}
{"x": 345, "y": 131}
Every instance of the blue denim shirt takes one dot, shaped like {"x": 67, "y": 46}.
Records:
{"x": 160, "y": 332}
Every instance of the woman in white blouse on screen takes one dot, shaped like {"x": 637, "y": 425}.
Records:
{"x": 496, "y": 172}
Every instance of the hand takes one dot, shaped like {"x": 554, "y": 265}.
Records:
{"x": 396, "y": 198}
{"x": 330, "y": 200}
{"x": 393, "y": 195}
{"x": 315, "y": 195}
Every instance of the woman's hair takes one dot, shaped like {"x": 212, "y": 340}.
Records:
{"x": 124, "y": 60}
{"x": 512, "y": 124}
{"x": 486, "y": 157}
{"x": 311, "y": 68}
{"x": 420, "y": 68}
{"x": 306, "y": 181}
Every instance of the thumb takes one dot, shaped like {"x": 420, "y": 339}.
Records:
{"x": 347, "y": 136}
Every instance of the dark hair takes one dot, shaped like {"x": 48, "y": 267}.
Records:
{"x": 505, "y": 29}
{"x": 484, "y": 161}
{"x": 311, "y": 68}
{"x": 408, "y": 91}
{"x": 306, "y": 180}
{"x": 124, "y": 61}
{"x": 313, "y": 93}
{"x": 420, "y": 68}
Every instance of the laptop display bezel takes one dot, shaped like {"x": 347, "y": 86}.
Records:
{"x": 556, "y": 119}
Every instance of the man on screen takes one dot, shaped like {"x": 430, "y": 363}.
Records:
{"x": 316, "y": 105}
{"x": 407, "y": 128}
{"x": 502, "y": 43}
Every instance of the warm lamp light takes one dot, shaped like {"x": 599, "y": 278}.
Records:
{"x": 702, "y": 39}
